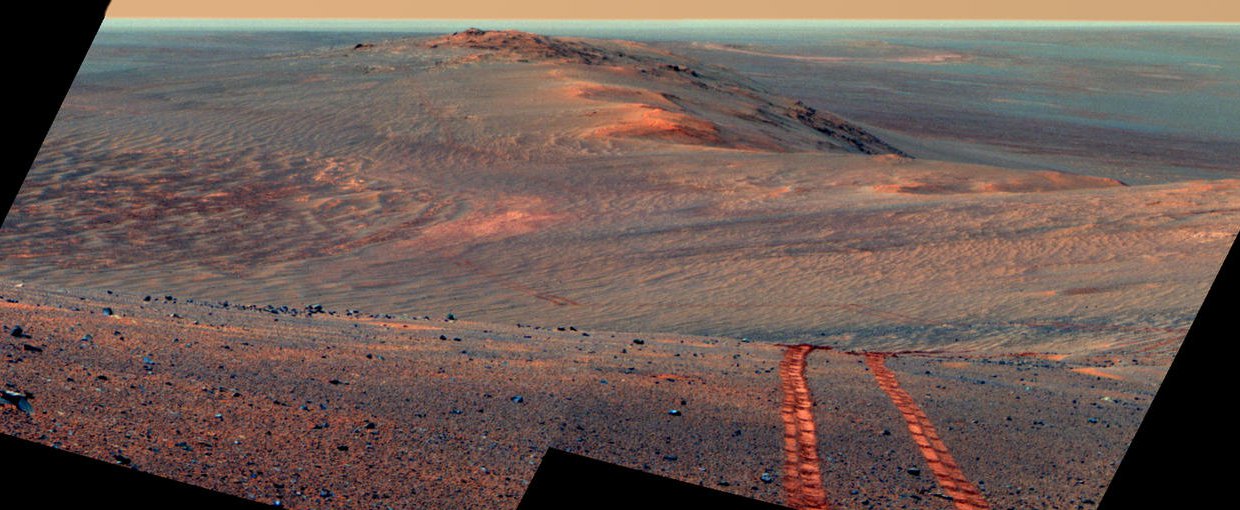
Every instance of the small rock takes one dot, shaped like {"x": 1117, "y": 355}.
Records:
{"x": 19, "y": 399}
{"x": 107, "y": 311}
{"x": 674, "y": 412}
{"x": 767, "y": 478}
{"x": 914, "y": 471}
{"x": 517, "y": 399}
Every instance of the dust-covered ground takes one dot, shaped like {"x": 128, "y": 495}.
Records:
{"x": 983, "y": 331}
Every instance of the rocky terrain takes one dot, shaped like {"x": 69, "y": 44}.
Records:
{"x": 345, "y": 409}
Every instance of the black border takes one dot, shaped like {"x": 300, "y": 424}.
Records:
{"x": 1179, "y": 456}
{"x": 1182, "y": 456}
{"x": 569, "y": 480}
{"x": 55, "y": 478}
{"x": 58, "y": 36}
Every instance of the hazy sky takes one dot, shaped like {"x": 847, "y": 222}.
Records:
{"x": 1113, "y": 10}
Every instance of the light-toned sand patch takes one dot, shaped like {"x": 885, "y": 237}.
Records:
{"x": 1096, "y": 372}
{"x": 616, "y": 94}
{"x": 639, "y": 120}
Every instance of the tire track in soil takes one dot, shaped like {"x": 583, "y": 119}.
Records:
{"x": 963, "y": 493}
{"x": 802, "y": 467}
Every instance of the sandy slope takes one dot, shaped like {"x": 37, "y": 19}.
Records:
{"x": 511, "y": 177}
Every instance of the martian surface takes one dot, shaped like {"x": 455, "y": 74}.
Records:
{"x": 390, "y": 271}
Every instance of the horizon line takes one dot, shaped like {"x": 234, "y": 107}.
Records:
{"x": 803, "y": 20}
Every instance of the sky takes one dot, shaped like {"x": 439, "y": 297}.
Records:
{"x": 1063, "y": 10}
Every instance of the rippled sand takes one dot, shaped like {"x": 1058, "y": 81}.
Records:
{"x": 621, "y": 231}
{"x": 425, "y": 176}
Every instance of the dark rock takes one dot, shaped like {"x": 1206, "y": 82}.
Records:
{"x": 914, "y": 471}
{"x": 107, "y": 311}
{"x": 19, "y": 399}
